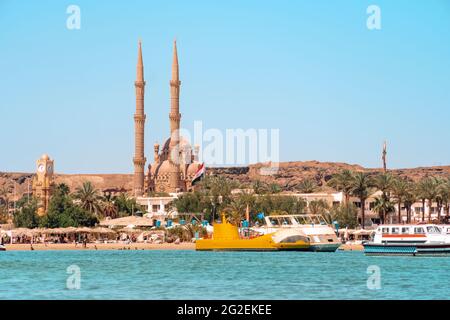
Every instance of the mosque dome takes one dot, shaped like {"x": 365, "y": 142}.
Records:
{"x": 183, "y": 144}
{"x": 165, "y": 168}
{"x": 193, "y": 168}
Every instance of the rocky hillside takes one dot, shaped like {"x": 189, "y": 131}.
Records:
{"x": 287, "y": 175}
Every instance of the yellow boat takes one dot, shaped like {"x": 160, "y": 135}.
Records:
{"x": 226, "y": 237}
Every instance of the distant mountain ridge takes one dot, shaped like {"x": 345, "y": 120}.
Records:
{"x": 286, "y": 174}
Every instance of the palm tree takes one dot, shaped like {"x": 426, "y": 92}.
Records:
{"x": 259, "y": 187}
{"x": 109, "y": 208}
{"x": 307, "y": 186}
{"x": 420, "y": 192}
{"x": 361, "y": 188}
{"x": 409, "y": 199}
{"x": 63, "y": 189}
{"x": 274, "y": 188}
{"x": 318, "y": 207}
{"x": 428, "y": 191}
{"x": 383, "y": 207}
{"x": 5, "y": 196}
{"x": 343, "y": 182}
{"x": 89, "y": 197}
{"x": 384, "y": 182}
{"x": 442, "y": 195}
{"x": 399, "y": 188}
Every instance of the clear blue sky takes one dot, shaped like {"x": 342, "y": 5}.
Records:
{"x": 312, "y": 69}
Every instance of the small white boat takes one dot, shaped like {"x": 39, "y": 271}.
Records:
{"x": 426, "y": 239}
{"x": 2, "y": 247}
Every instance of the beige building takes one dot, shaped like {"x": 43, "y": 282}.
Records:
{"x": 176, "y": 163}
{"x": 43, "y": 183}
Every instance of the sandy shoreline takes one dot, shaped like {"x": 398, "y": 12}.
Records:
{"x": 122, "y": 246}
{"x": 102, "y": 246}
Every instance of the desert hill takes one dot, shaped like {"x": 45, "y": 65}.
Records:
{"x": 287, "y": 175}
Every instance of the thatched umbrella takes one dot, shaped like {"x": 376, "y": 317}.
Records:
{"x": 83, "y": 230}
{"x": 20, "y": 232}
{"x": 130, "y": 231}
{"x": 125, "y": 221}
{"x": 101, "y": 230}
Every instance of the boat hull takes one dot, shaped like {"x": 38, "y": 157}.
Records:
{"x": 399, "y": 249}
{"x": 264, "y": 243}
{"x": 324, "y": 247}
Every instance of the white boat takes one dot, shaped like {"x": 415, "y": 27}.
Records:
{"x": 2, "y": 247}
{"x": 314, "y": 227}
{"x": 423, "y": 239}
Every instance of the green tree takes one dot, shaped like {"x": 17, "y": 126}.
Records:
{"x": 260, "y": 187}
{"x": 400, "y": 189}
{"x": 342, "y": 182}
{"x": 361, "y": 188}
{"x": 428, "y": 190}
{"x": 109, "y": 208}
{"x": 408, "y": 200}
{"x": 27, "y": 217}
{"x": 318, "y": 207}
{"x": 127, "y": 206}
{"x": 445, "y": 193}
{"x": 62, "y": 212}
{"x": 307, "y": 186}
{"x": 89, "y": 197}
{"x": 383, "y": 207}
{"x": 345, "y": 214}
{"x": 384, "y": 182}
{"x": 442, "y": 195}
{"x": 274, "y": 188}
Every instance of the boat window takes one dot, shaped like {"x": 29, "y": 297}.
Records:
{"x": 385, "y": 230}
{"x": 274, "y": 222}
{"x": 294, "y": 239}
{"x": 419, "y": 230}
{"x": 286, "y": 221}
{"x": 405, "y": 230}
{"x": 395, "y": 230}
{"x": 314, "y": 220}
{"x": 432, "y": 229}
{"x": 438, "y": 230}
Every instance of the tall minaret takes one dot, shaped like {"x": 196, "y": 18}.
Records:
{"x": 174, "y": 114}
{"x": 139, "y": 122}
{"x": 174, "y": 117}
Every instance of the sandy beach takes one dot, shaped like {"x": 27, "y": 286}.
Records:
{"x": 102, "y": 246}
{"x": 132, "y": 246}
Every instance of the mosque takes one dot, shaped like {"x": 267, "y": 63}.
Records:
{"x": 176, "y": 163}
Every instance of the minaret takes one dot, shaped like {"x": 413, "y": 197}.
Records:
{"x": 139, "y": 122}
{"x": 383, "y": 157}
{"x": 174, "y": 116}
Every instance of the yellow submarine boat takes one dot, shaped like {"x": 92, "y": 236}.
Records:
{"x": 226, "y": 237}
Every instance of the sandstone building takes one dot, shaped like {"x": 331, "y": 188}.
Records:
{"x": 175, "y": 162}
{"x": 43, "y": 183}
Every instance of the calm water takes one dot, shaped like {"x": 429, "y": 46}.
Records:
{"x": 219, "y": 275}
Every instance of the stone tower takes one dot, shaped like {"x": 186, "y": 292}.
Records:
{"x": 43, "y": 183}
{"x": 174, "y": 117}
{"x": 139, "y": 123}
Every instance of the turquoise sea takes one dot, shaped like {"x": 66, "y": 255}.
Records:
{"x": 220, "y": 275}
